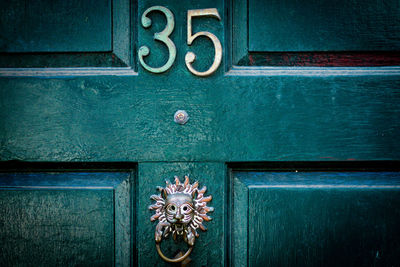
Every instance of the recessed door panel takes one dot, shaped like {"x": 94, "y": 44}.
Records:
{"x": 55, "y": 26}
{"x": 50, "y": 227}
{"x": 74, "y": 219}
{"x": 316, "y": 219}
{"x": 316, "y": 25}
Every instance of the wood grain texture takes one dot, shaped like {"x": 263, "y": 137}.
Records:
{"x": 55, "y": 26}
{"x": 232, "y": 118}
{"x": 271, "y": 114}
{"x": 248, "y": 114}
{"x": 238, "y": 30}
{"x": 323, "y": 25}
{"x": 123, "y": 30}
{"x": 319, "y": 47}
{"x": 58, "y": 219}
{"x": 209, "y": 248}
{"x": 58, "y": 60}
{"x": 43, "y": 228}
{"x": 239, "y": 223}
{"x": 322, "y": 59}
{"x": 78, "y": 48}
{"x": 66, "y": 72}
{"x": 315, "y": 219}
{"x": 62, "y": 179}
{"x": 123, "y": 224}
{"x": 320, "y": 72}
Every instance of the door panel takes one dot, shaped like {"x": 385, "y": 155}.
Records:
{"x": 316, "y": 219}
{"x": 316, "y": 34}
{"x": 210, "y": 246}
{"x": 277, "y": 118}
{"x": 355, "y": 25}
{"x": 55, "y": 26}
{"x": 50, "y": 219}
{"x": 42, "y": 228}
{"x": 38, "y": 38}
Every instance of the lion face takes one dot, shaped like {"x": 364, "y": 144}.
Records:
{"x": 179, "y": 208}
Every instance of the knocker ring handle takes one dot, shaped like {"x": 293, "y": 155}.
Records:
{"x": 181, "y": 258}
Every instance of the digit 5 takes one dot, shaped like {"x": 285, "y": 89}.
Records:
{"x": 190, "y": 56}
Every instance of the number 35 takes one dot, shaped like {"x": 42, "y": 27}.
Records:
{"x": 163, "y": 37}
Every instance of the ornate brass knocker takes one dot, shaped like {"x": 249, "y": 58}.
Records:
{"x": 180, "y": 209}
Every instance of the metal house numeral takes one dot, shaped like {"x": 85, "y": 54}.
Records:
{"x": 190, "y": 56}
{"x": 159, "y": 36}
{"x": 164, "y": 38}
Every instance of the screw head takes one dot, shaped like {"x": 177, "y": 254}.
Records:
{"x": 181, "y": 117}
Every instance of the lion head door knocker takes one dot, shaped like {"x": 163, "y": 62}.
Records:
{"x": 180, "y": 209}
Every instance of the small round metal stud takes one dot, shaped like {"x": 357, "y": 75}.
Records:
{"x": 181, "y": 117}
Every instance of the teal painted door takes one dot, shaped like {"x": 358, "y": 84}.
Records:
{"x": 295, "y": 132}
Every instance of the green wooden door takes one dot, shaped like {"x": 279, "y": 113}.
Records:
{"x": 295, "y": 132}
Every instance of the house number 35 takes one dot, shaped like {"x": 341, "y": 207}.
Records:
{"x": 163, "y": 37}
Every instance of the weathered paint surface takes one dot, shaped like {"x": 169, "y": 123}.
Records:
{"x": 54, "y": 219}
{"x": 323, "y": 25}
{"x": 210, "y": 247}
{"x": 60, "y": 34}
{"x": 316, "y": 219}
{"x": 322, "y": 59}
{"x": 55, "y": 26}
{"x": 233, "y": 118}
{"x": 43, "y": 228}
{"x": 124, "y": 114}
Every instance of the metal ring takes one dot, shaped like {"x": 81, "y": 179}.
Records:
{"x": 182, "y": 258}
